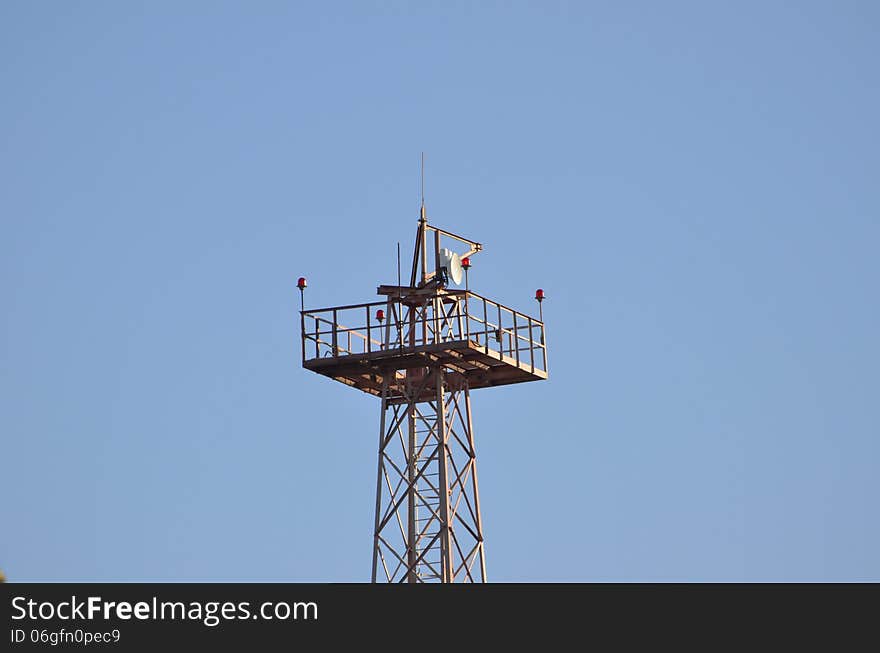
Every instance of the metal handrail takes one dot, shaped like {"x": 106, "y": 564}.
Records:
{"x": 438, "y": 321}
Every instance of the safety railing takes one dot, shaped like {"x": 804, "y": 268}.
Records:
{"x": 498, "y": 328}
{"x": 397, "y": 324}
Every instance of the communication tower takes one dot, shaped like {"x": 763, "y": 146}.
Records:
{"x": 422, "y": 350}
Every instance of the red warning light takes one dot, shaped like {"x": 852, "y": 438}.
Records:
{"x": 539, "y": 295}
{"x": 466, "y": 262}
{"x": 301, "y": 283}
{"x": 380, "y": 315}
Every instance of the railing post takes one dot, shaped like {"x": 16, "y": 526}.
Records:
{"x": 485, "y": 325}
{"x": 531, "y": 346}
{"x": 302, "y": 333}
{"x": 398, "y": 321}
{"x": 424, "y": 308}
{"x": 516, "y": 339}
{"x": 435, "y": 309}
{"x": 335, "y": 343}
{"x": 500, "y": 332}
{"x": 387, "y": 344}
{"x": 544, "y": 346}
{"x": 369, "y": 339}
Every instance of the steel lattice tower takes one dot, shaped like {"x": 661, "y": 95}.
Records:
{"x": 422, "y": 350}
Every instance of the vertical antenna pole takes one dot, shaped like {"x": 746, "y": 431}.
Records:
{"x": 419, "y": 249}
{"x": 423, "y": 178}
{"x": 422, "y": 215}
{"x": 424, "y": 223}
{"x": 399, "y": 303}
{"x": 424, "y": 245}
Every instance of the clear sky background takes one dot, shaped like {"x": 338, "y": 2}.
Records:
{"x": 694, "y": 184}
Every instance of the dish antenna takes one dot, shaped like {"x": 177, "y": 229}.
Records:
{"x": 452, "y": 262}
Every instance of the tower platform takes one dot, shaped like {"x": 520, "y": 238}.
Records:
{"x": 486, "y": 343}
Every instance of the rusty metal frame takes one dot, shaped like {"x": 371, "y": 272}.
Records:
{"x": 428, "y": 526}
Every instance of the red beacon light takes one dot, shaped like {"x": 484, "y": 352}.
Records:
{"x": 539, "y": 295}
{"x": 301, "y": 284}
{"x": 380, "y": 315}
{"x": 466, "y": 262}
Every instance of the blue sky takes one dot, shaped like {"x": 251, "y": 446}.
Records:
{"x": 694, "y": 184}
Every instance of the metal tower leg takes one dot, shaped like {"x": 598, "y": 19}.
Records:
{"x": 428, "y": 526}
